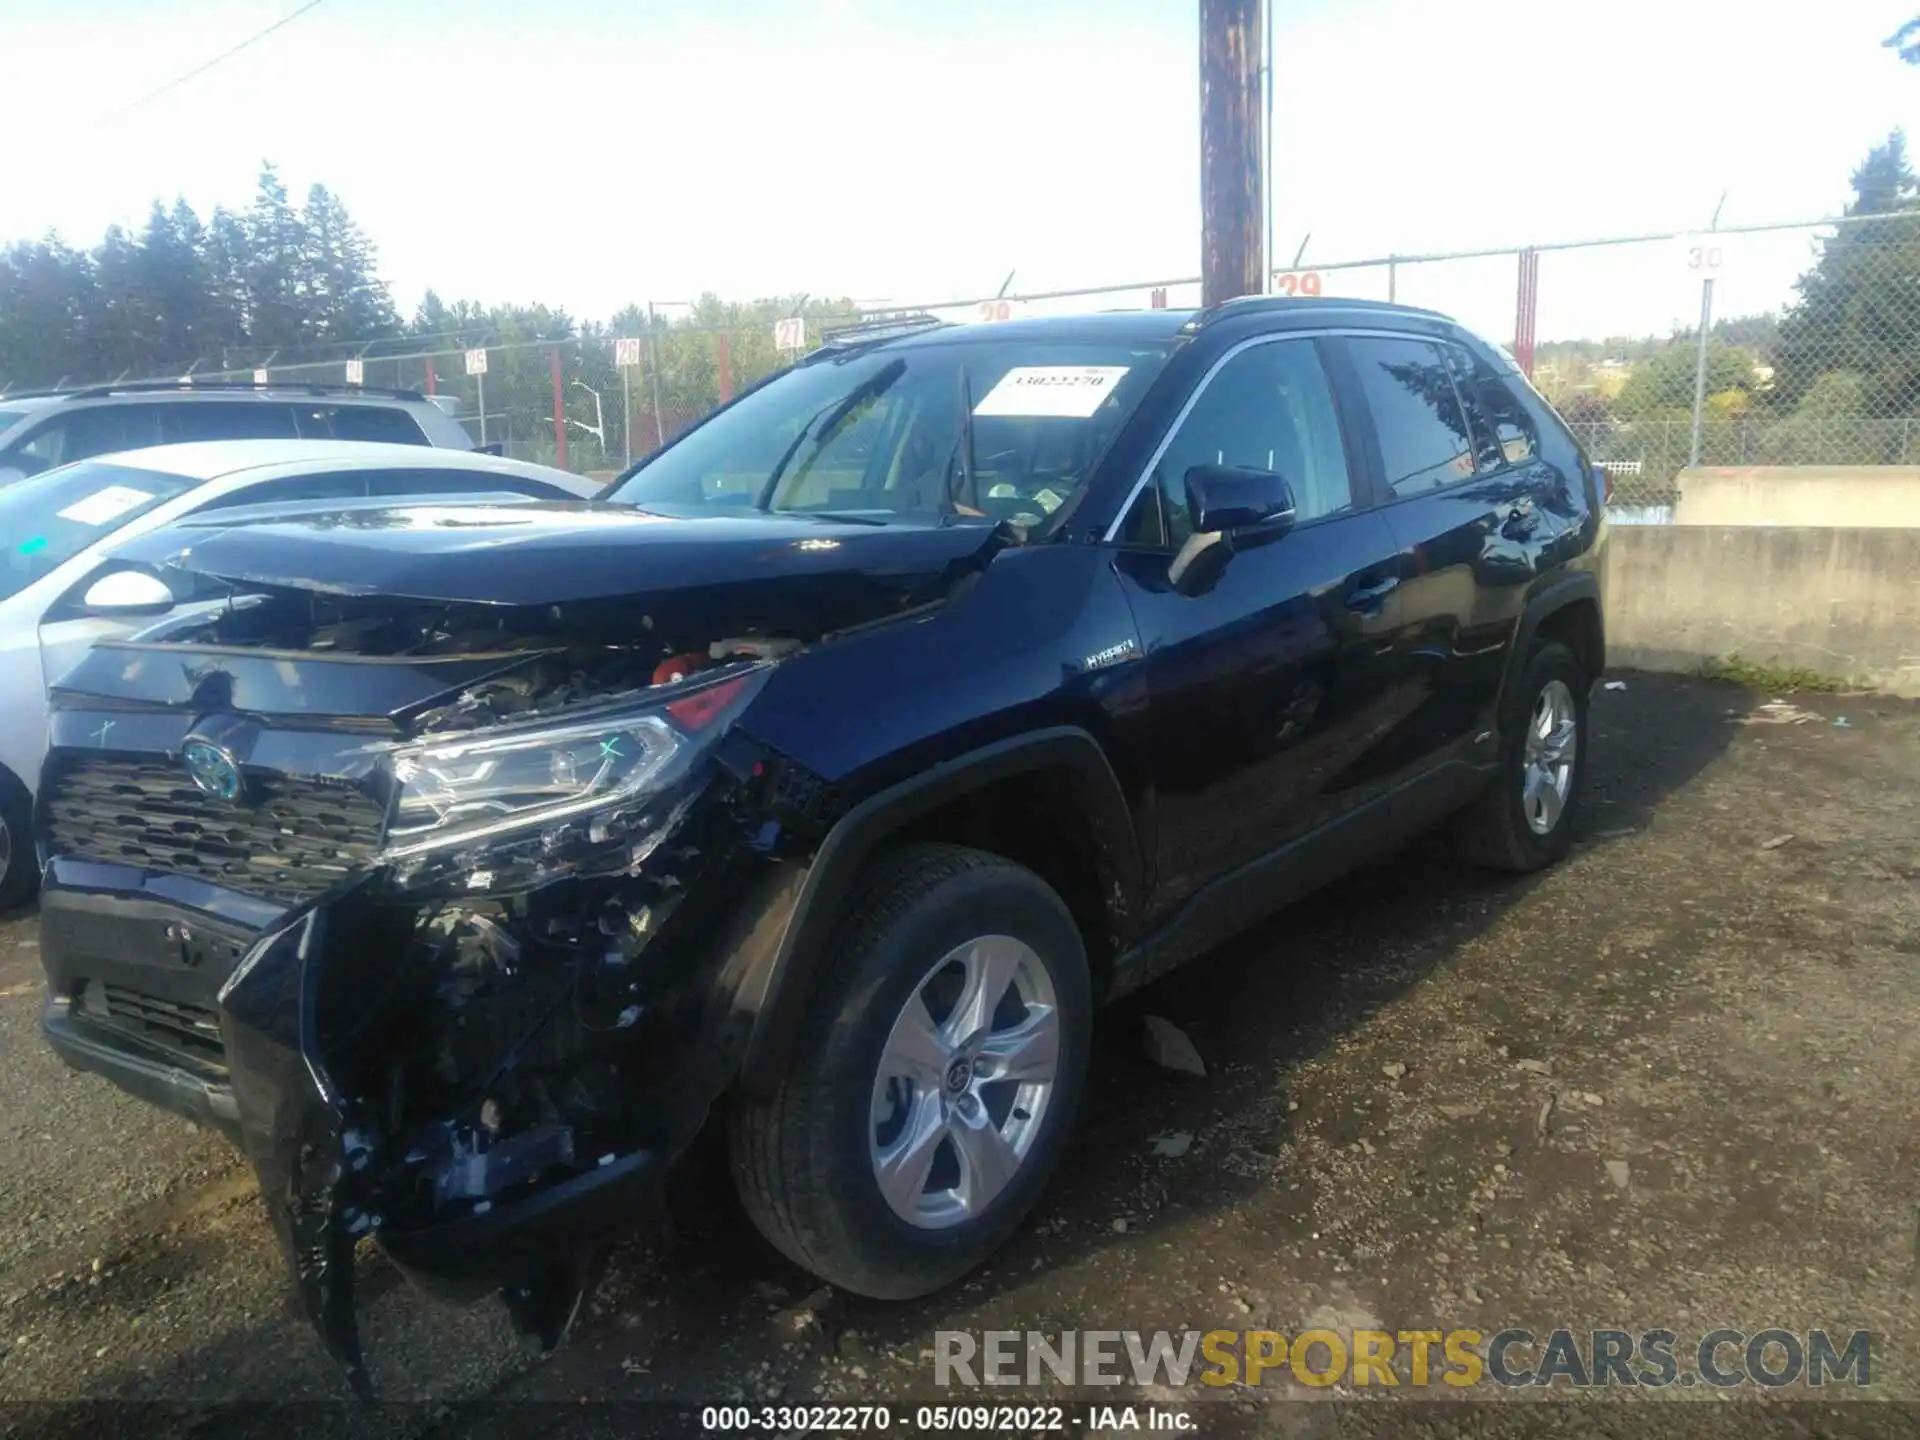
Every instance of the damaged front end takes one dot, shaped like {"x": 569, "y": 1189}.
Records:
{"x": 483, "y": 1052}
{"x": 484, "y": 1040}
{"x": 434, "y": 891}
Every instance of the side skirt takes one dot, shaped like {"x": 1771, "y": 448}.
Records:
{"x": 1241, "y": 898}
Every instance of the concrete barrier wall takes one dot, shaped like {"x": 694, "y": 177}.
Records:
{"x": 1847, "y": 495}
{"x": 1844, "y": 603}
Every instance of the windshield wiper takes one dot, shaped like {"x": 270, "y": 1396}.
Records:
{"x": 830, "y": 420}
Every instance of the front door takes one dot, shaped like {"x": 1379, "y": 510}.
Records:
{"x": 1269, "y": 687}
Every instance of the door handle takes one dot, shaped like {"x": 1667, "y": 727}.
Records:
{"x": 1367, "y": 598}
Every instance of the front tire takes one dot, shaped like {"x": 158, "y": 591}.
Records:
{"x": 19, "y": 869}
{"x": 937, "y": 1079}
{"x": 1524, "y": 820}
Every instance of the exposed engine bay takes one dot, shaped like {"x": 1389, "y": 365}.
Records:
{"x": 557, "y": 668}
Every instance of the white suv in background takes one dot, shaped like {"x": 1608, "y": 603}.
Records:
{"x": 41, "y": 430}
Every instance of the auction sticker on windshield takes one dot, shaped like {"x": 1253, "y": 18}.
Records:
{"x": 109, "y": 503}
{"x": 1064, "y": 391}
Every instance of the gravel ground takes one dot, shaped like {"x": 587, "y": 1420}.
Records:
{"x": 1671, "y": 1083}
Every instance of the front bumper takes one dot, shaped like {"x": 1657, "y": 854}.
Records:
{"x": 294, "y": 1076}
{"x": 156, "y": 1081}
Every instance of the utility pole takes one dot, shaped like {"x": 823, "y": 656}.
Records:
{"x": 1232, "y": 203}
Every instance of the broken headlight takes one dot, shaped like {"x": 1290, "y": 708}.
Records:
{"x": 498, "y": 783}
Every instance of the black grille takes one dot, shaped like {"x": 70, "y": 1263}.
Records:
{"x": 286, "y": 841}
{"x": 189, "y": 1030}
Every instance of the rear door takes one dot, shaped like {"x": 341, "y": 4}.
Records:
{"x": 1472, "y": 509}
{"x": 1268, "y": 688}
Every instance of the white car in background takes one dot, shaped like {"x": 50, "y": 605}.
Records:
{"x": 57, "y": 530}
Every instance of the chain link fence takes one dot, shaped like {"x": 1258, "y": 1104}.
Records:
{"x": 1771, "y": 345}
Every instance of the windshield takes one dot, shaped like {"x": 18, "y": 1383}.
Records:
{"x": 10, "y": 418}
{"x": 49, "y": 518}
{"x": 880, "y": 433}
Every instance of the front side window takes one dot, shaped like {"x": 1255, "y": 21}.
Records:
{"x": 1001, "y": 429}
{"x": 1267, "y": 408}
{"x": 1425, "y": 439}
{"x": 47, "y": 519}
{"x": 82, "y": 434}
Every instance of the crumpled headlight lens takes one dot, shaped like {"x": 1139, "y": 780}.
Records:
{"x": 482, "y": 786}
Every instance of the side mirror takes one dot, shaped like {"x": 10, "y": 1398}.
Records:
{"x": 11, "y": 473}
{"x": 1228, "y": 499}
{"x": 1233, "y": 509}
{"x": 127, "y": 592}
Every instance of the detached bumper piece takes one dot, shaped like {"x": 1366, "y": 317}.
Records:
{"x": 476, "y": 1099}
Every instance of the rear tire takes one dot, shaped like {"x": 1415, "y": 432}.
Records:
{"x": 880, "y": 1048}
{"x": 19, "y": 868}
{"x": 1524, "y": 820}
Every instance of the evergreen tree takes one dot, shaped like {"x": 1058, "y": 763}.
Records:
{"x": 47, "y": 302}
{"x": 1906, "y": 41}
{"x": 119, "y": 334}
{"x": 278, "y": 281}
{"x": 1859, "y": 307}
{"x": 227, "y": 315}
{"x": 171, "y": 274}
{"x": 347, "y": 298}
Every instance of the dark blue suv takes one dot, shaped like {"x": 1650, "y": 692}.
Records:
{"x": 818, "y": 780}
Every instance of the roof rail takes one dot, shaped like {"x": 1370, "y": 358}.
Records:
{"x": 1244, "y": 304}
{"x": 154, "y": 387}
{"x": 865, "y": 332}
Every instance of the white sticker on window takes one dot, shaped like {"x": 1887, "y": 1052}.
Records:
{"x": 1067, "y": 391}
{"x": 106, "y": 504}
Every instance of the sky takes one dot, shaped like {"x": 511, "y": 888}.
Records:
{"x": 588, "y": 153}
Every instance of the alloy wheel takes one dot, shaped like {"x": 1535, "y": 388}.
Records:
{"x": 1553, "y": 733}
{"x": 964, "y": 1082}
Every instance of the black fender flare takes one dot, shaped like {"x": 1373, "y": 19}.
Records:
{"x": 1568, "y": 588}
{"x": 779, "y": 965}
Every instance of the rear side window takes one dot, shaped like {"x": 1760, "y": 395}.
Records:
{"x": 226, "y": 420}
{"x": 382, "y": 423}
{"x": 1504, "y": 432}
{"x": 1425, "y": 440}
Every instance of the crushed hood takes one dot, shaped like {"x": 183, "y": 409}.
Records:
{"x": 564, "y": 553}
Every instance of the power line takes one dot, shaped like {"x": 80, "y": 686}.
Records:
{"x": 227, "y": 54}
